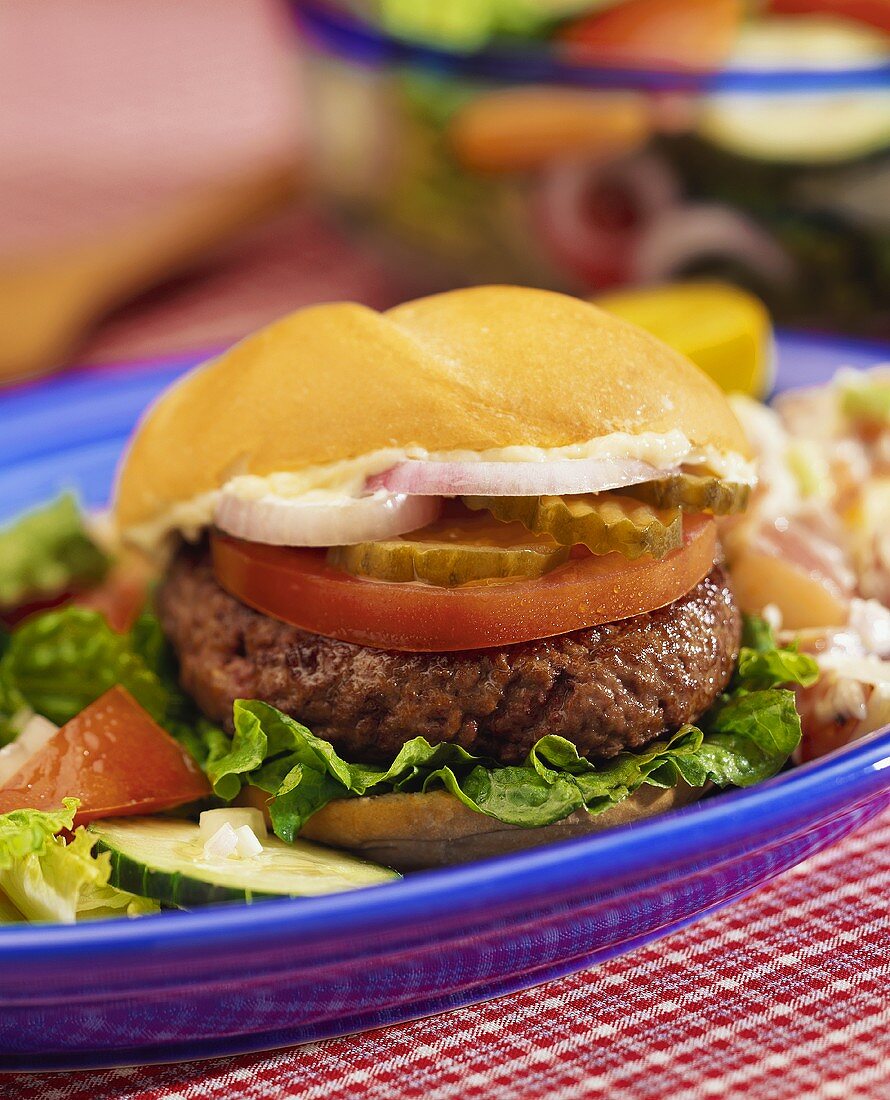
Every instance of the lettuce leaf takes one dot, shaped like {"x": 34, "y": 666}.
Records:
{"x": 470, "y": 24}
{"x": 746, "y": 737}
{"x": 59, "y": 662}
{"x": 759, "y": 670}
{"x": 8, "y": 912}
{"x": 763, "y": 664}
{"x": 24, "y": 832}
{"x": 48, "y": 551}
{"x": 44, "y": 879}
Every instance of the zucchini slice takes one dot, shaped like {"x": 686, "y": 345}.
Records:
{"x": 806, "y": 127}
{"x": 163, "y": 858}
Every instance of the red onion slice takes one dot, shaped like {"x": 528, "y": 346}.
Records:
{"x": 283, "y": 522}
{"x": 590, "y": 214}
{"x": 514, "y": 479}
{"x": 708, "y": 231}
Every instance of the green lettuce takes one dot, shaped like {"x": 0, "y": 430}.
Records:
{"x": 44, "y": 879}
{"x": 746, "y": 737}
{"x": 865, "y": 397}
{"x": 470, "y": 24}
{"x": 765, "y": 664}
{"x": 59, "y": 662}
{"x": 8, "y": 912}
{"x": 46, "y": 552}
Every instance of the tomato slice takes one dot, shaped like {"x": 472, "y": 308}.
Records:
{"x": 10, "y": 617}
{"x": 298, "y": 587}
{"x": 874, "y": 12}
{"x": 673, "y": 34}
{"x": 115, "y": 758}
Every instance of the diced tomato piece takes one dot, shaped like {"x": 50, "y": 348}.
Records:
{"x": 874, "y": 12}
{"x": 112, "y": 756}
{"x": 664, "y": 34}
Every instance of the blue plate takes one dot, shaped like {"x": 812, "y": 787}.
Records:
{"x": 238, "y": 979}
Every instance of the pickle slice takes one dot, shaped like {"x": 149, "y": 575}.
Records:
{"x": 602, "y": 522}
{"x": 452, "y": 552}
{"x": 693, "y": 493}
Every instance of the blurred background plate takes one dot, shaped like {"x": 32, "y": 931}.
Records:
{"x": 234, "y": 979}
{"x": 584, "y": 145}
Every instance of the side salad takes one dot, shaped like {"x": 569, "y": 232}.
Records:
{"x": 812, "y": 552}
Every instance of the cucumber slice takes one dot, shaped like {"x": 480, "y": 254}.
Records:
{"x": 802, "y": 128}
{"x": 163, "y": 858}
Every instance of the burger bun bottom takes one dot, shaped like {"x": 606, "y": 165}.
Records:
{"x": 410, "y": 832}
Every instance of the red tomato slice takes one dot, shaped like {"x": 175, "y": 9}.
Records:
{"x": 300, "y": 588}
{"x": 874, "y": 12}
{"x": 112, "y": 756}
{"x": 10, "y": 617}
{"x": 120, "y": 598}
{"x": 676, "y": 34}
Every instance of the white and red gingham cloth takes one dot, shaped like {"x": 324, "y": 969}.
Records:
{"x": 783, "y": 996}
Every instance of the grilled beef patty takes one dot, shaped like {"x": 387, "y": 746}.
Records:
{"x": 606, "y": 688}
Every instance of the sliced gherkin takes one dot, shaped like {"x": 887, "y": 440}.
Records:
{"x": 602, "y": 522}
{"x": 693, "y": 493}
{"x": 454, "y": 552}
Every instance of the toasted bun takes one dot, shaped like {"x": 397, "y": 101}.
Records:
{"x": 472, "y": 369}
{"x": 413, "y": 831}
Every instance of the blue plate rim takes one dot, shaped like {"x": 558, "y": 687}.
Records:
{"x": 839, "y": 781}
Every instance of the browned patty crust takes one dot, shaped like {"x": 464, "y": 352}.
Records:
{"x": 606, "y": 688}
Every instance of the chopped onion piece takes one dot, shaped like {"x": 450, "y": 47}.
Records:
{"x": 222, "y": 844}
{"x": 863, "y": 670}
{"x": 280, "y": 521}
{"x": 871, "y": 621}
{"x": 514, "y": 479}
{"x": 247, "y": 844}
{"x": 236, "y": 816}
{"x": 34, "y": 734}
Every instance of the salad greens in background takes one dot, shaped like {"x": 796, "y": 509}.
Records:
{"x": 470, "y": 24}
{"x": 59, "y": 661}
{"x": 48, "y": 551}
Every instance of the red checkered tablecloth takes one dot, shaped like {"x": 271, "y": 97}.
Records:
{"x": 783, "y": 996}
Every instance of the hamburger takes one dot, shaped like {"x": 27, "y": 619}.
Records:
{"x": 450, "y": 576}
